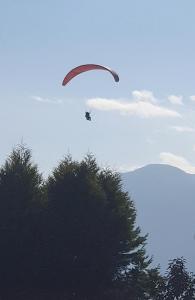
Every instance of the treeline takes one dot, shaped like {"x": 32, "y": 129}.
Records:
{"x": 74, "y": 235}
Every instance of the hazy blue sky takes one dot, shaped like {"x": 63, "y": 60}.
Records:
{"x": 148, "y": 117}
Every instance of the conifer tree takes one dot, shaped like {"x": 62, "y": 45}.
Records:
{"x": 180, "y": 283}
{"x": 93, "y": 238}
{"x": 20, "y": 198}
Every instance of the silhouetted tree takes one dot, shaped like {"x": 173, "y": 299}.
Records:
{"x": 180, "y": 283}
{"x": 155, "y": 285}
{"x": 20, "y": 198}
{"x": 142, "y": 284}
{"x": 75, "y": 233}
{"x": 93, "y": 239}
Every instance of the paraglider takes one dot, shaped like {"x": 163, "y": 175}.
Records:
{"x": 88, "y": 67}
{"x": 84, "y": 68}
{"x": 87, "y": 116}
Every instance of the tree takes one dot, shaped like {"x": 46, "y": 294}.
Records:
{"x": 155, "y": 284}
{"x": 76, "y": 232}
{"x": 93, "y": 239}
{"x": 20, "y": 202}
{"x": 180, "y": 283}
{"x": 142, "y": 284}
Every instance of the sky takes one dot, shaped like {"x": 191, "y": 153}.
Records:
{"x": 148, "y": 117}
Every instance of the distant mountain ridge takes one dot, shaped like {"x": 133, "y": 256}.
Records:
{"x": 164, "y": 197}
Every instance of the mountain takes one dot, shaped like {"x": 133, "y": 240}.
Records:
{"x": 164, "y": 197}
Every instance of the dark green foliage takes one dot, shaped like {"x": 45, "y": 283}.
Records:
{"x": 142, "y": 284}
{"x": 180, "y": 283}
{"x": 19, "y": 181}
{"x": 20, "y": 194}
{"x": 93, "y": 237}
{"x": 155, "y": 285}
{"x": 76, "y": 235}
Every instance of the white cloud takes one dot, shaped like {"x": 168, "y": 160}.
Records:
{"x": 176, "y": 99}
{"x": 145, "y": 96}
{"x": 46, "y": 100}
{"x": 183, "y": 129}
{"x": 139, "y": 108}
{"x": 127, "y": 168}
{"x": 177, "y": 161}
{"x": 192, "y": 97}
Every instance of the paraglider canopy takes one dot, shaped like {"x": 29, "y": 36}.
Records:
{"x": 88, "y": 67}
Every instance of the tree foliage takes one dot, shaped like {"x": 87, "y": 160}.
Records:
{"x": 180, "y": 283}
{"x": 92, "y": 227}
{"x": 20, "y": 199}
{"x": 76, "y": 233}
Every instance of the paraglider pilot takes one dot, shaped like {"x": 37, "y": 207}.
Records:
{"x": 87, "y": 116}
